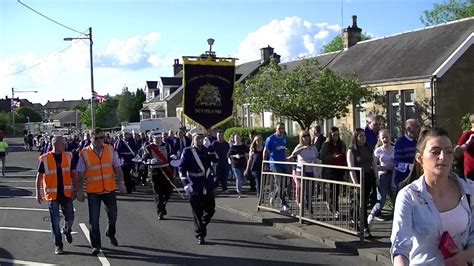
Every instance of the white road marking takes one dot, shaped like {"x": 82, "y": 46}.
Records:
{"x": 19, "y": 197}
{"x": 24, "y": 209}
{"x": 28, "y": 229}
{"x": 23, "y": 262}
{"x": 18, "y": 181}
{"x": 29, "y": 209}
{"x": 18, "y": 187}
{"x": 101, "y": 255}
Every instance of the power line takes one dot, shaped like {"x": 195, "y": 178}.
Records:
{"x": 37, "y": 64}
{"x": 46, "y": 17}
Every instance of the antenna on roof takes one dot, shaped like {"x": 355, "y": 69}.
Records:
{"x": 342, "y": 15}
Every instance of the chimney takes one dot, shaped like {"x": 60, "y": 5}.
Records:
{"x": 351, "y": 35}
{"x": 266, "y": 52}
{"x": 276, "y": 57}
{"x": 177, "y": 67}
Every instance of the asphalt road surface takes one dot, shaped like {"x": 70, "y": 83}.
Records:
{"x": 232, "y": 240}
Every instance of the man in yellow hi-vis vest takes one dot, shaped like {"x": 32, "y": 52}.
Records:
{"x": 58, "y": 178}
{"x": 99, "y": 166}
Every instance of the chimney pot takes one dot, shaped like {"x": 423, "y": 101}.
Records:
{"x": 354, "y": 21}
{"x": 351, "y": 35}
{"x": 266, "y": 53}
{"x": 177, "y": 67}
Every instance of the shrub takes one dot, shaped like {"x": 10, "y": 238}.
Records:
{"x": 244, "y": 132}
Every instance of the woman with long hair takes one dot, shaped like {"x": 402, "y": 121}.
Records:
{"x": 384, "y": 154}
{"x": 434, "y": 209}
{"x": 360, "y": 154}
{"x": 305, "y": 152}
{"x": 254, "y": 164}
{"x": 332, "y": 152}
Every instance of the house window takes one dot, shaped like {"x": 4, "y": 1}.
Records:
{"x": 409, "y": 104}
{"x": 247, "y": 116}
{"x": 401, "y": 106}
{"x": 267, "y": 119}
{"x": 160, "y": 113}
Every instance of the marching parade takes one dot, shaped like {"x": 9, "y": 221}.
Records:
{"x": 350, "y": 147}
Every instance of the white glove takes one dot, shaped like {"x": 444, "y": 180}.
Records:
{"x": 174, "y": 157}
{"x": 189, "y": 189}
{"x": 153, "y": 161}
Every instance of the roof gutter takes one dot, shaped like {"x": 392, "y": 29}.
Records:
{"x": 433, "y": 100}
{"x": 373, "y": 82}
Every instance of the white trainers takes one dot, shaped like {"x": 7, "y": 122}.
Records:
{"x": 379, "y": 219}
{"x": 370, "y": 219}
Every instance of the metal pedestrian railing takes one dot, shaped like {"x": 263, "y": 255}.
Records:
{"x": 326, "y": 198}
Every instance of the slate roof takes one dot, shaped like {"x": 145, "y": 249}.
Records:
{"x": 151, "y": 84}
{"x": 65, "y": 104}
{"x": 244, "y": 70}
{"x": 65, "y": 116}
{"x": 5, "y": 104}
{"x": 402, "y": 56}
{"x": 171, "y": 81}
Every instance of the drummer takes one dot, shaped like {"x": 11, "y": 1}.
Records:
{"x": 157, "y": 155}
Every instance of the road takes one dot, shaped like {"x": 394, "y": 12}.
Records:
{"x": 143, "y": 239}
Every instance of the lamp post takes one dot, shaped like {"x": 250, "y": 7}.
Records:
{"x": 89, "y": 37}
{"x": 12, "y": 105}
{"x": 209, "y": 53}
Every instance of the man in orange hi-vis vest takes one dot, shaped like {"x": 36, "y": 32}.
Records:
{"x": 57, "y": 177}
{"x": 99, "y": 166}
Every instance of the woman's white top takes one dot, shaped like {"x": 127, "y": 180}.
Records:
{"x": 385, "y": 157}
{"x": 458, "y": 225}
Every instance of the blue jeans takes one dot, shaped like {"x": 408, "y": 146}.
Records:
{"x": 282, "y": 183}
{"x": 94, "y": 202}
{"x": 256, "y": 176}
{"x": 384, "y": 188}
{"x": 222, "y": 174}
{"x": 68, "y": 212}
{"x": 239, "y": 178}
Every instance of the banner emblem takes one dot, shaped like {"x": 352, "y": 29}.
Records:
{"x": 208, "y": 97}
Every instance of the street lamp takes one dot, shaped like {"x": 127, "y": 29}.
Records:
{"x": 12, "y": 104}
{"x": 89, "y": 37}
{"x": 209, "y": 53}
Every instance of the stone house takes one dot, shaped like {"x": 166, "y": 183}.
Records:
{"x": 425, "y": 74}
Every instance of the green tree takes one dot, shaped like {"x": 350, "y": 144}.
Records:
{"x": 23, "y": 113}
{"x": 304, "y": 94}
{"x": 336, "y": 43}
{"x": 138, "y": 100}
{"x": 448, "y": 11}
{"x": 105, "y": 113}
{"x": 125, "y": 105}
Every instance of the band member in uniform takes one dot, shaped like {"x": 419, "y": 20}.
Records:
{"x": 158, "y": 154}
{"x": 196, "y": 174}
{"x": 126, "y": 151}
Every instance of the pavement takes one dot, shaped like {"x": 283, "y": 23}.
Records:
{"x": 377, "y": 248}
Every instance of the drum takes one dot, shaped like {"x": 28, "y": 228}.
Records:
{"x": 175, "y": 163}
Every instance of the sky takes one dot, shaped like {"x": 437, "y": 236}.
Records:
{"x": 136, "y": 41}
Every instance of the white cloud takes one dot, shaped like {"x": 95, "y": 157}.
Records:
{"x": 291, "y": 37}
{"x": 66, "y": 75}
{"x": 134, "y": 53}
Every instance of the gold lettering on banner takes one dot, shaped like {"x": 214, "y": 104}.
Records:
{"x": 207, "y": 111}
